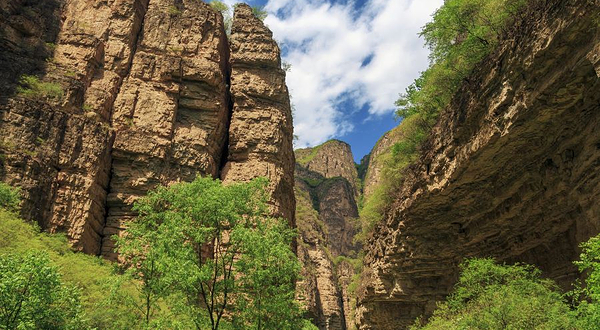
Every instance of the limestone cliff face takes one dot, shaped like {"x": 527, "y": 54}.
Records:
{"x": 376, "y": 159}
{"x": 331, "y": 159}
{"x": 510, "y": 171}
{"x": 145, "y": 101}
{"x": 260, "y": 135}
{"x": 326, "y": 217}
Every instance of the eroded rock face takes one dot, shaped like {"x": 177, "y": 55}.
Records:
{"x": 331, "y": 159}
{"x": 373, "y": 175}
{"x": 511, "y": 171}
{"x": 260, "y": 133}
{"x": 172, "y": 111}
{"x": 145, "y": 101}
{"x": 326, "y": 216}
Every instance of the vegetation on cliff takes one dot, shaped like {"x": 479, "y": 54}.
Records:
{"x": 460, "y": 35}
{"x": 493, "y": 296}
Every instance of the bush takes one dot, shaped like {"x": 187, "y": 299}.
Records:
{"x": 493, "y": 296}
{"x": 32, "y": 87}
{"x": 32, "y": 295}
{"x": 588, "y": 297}
{"x": 9, "y": 197}
{"x": 93, "y": 276}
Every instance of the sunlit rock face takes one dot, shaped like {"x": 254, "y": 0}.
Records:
{"x": 261, "y": 131}
{"x": 326, "y": 215}
{"x": 511, "y": 171}
{"x": 148, "y": 89}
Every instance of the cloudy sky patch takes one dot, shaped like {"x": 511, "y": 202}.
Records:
{"x": 350, "y": 60}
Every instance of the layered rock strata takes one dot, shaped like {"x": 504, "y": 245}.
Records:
{"x": 172, "y": 110}
{"x": 510, "y": 170}
{"x": 326, "y": 216}
{"x": 260, "y": 133}
{"x": 132, "y": 94}
{"x": 331, "y": 159}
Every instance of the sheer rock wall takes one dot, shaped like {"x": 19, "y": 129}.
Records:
{"x": 145, "y": 101}
{"x": 326, "y": 218}
{"x": 510, "y": 171}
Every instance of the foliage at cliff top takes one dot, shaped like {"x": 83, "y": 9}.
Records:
{"x": 493, "y": 296}
{"x": 460, "y": 35}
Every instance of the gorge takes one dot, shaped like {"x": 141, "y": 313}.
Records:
{"x": 126, "y": 95}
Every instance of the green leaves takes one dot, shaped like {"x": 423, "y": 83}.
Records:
{"x": 493, "y": 296}
{"x": 9, "y": 197}
{"x": 32, "y": 295}
{"x": 589, "y": 304}
{"x": 216, "y": 247}
{"x": 460, "y": 35}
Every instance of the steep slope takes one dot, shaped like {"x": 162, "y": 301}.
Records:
{"x": 510, "y": 170}
{"x": 326, "y": 216}
{"x": 132, "y": 94}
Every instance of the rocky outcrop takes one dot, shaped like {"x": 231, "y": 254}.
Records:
{"x": 376, "y": 160}
{"x": 317, "y": 288}
{"x": 510, "y": 170}
{"x": 331, "y": 159}
{"x": 172, "y": 110}
{"x": 132, "y": 94}
{"x": 260, "y": 135}
{"x": 326, "y": 215}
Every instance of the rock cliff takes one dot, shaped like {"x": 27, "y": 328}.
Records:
{"x": 260, "y": 135}
{"x": 326, "y": 214}
{"x": 510, "y": 170}
{"x": 131, "y": 94}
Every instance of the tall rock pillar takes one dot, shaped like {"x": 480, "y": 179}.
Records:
{"x": 260, "y": 133}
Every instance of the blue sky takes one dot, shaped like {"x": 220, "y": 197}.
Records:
{"x": 349, "y": 61}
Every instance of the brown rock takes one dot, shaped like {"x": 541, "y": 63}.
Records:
{"x": 145, "y": 102}
{"x": 260, "y": 133}
{"x": 326, "y": 216}
{"x": 331, "y": 159}
{"x": 510, "y": 171}
{"x": 171, "y": 113}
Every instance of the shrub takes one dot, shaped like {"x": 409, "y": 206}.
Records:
{"x": 32, "y": 87}
{"x": 9, "y": 197}
{"x": 588, "y": 297}
{"x": 493, "y": 296}
{"x": 32, "y": 295}
{"x": 260, "y": 12}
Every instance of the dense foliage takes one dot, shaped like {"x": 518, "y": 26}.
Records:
{"x": 32, "y": 295}
{"x": 493, "y": 296}
{"x": 160, "y": 291}
{"x": 216, "y": 248}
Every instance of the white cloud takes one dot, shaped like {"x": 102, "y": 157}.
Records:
{"x": 326, "y": 45}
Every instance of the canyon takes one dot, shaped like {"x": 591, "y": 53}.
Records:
{"x": 152, "y": 92}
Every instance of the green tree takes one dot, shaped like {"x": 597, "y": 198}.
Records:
{"x": 265, "y": 291}
{"x": 493, "y": 296}
{"x": 588, "y": 306}
{"x": 32, "y": 295}
{"x": 206, "y": 244}
{"x": 224, "y": 9}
